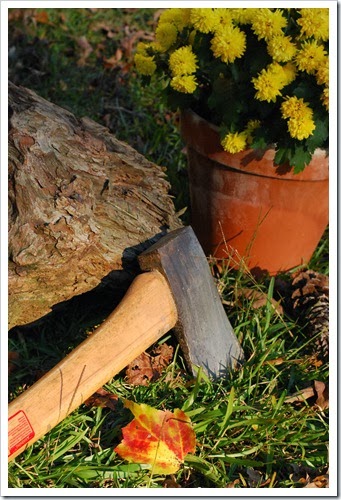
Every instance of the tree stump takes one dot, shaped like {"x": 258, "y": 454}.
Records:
{"x": 82, "y": 205}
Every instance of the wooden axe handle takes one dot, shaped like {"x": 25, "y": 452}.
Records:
{"x": 145, "y": 314}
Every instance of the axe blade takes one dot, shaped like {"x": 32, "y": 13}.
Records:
{"x": 204, "y": 332}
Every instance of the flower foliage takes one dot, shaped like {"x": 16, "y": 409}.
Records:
{"x": 242, "y": 66}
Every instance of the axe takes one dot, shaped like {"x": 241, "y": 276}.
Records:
{"x": 177, "y": 291}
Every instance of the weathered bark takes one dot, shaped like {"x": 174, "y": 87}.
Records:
{"x": 80, "y": 201}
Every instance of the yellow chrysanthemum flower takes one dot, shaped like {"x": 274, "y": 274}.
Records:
{"x": 251, "y": 126}
{"x": 267, "y": 24}
{"x": 228, "y": 43}
{"x": 203, "y": 20}
{"x": 155, "y": 46}
{"x": 300, "y": 117}
{"x": 267, "y": 87}
{"x": 183, "y": 61}
{"x": 289, "y": 71}
{"x": 244, "y": 16}
{"x": 314, "y": 22}
{"x": 281, "y": 49}
{"x": 325, "y": 98}
{"x": 322, "y": 73}
{"x": 292, "y": 107}
{"x": 310, "y": 56}
{"x": 269, "y": 82}
{"x": 283, "y": 74}
{"x": 301, "y": 129}
{"x": 165, "y": 36}
{"x": 145, "y": 65}
{"x": 141, "y": 48}
{"x": 179, "y": 17}
{"x": 184, "y": 83}
{"x": 234, "y": 142}
{"x": 223, "y": 17}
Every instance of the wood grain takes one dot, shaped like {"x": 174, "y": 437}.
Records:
{"x": 80, "y": 203}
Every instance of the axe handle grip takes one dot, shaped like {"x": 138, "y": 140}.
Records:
{"x": 145, "y": 314}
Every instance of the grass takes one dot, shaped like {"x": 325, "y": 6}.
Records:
{"x": 247, "y": 434}
{"x": 242, "y": 424}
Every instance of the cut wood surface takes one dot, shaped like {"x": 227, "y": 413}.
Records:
{"x": 81, "y": 205}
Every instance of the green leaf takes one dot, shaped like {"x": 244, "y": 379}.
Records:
{"x": 69, "y": 443}
{"x": 281, "y": 156}
{"x": 319, "y": 136}
{"x": 259, "y": 143}
{"x": 228, "y": 413}
{"x": 299, "y": 159}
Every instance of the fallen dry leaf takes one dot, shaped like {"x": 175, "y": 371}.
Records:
{"x": 158, "y": 438}
{"x": 85, "y": 50}
{"x": 322, "y": 392}
{"x": 299, "y": 396}
{"x": 171, "y": 483}
{"x": 102, "y": 399}
{"x": 319, "y": 391}
{"x": 15, "y": 14}
{"x": 140, "y": 371}
{"x": 129, "y": 42}
{"x": 254, "y": 477}
{"x": 259, "y": 299}
{"x": 281, "y": 360}
{"x": 113, "y": 61}
{"x": 233, "y": 484}
{"x": 315, "y": 361}
{"x": 42, "y": 17}
{"x": 275, "y": 362}
{"x": 149, "y": 367}
{"x": 162, "y": 356}
{"x": 319, "y": 482}
{"x": 107, "y": 29}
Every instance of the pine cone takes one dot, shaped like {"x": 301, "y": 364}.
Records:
{"x": 310, "y": 306}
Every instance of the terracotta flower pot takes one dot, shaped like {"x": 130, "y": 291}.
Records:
{"x": 244, "y": 207}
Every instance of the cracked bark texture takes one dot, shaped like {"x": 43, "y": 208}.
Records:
{"x": 81, "y": 205}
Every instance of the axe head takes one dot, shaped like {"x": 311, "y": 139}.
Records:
{"x": 204, "y": 332}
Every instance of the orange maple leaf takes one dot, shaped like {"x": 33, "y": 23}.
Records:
{"x": 158, "y": 438}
